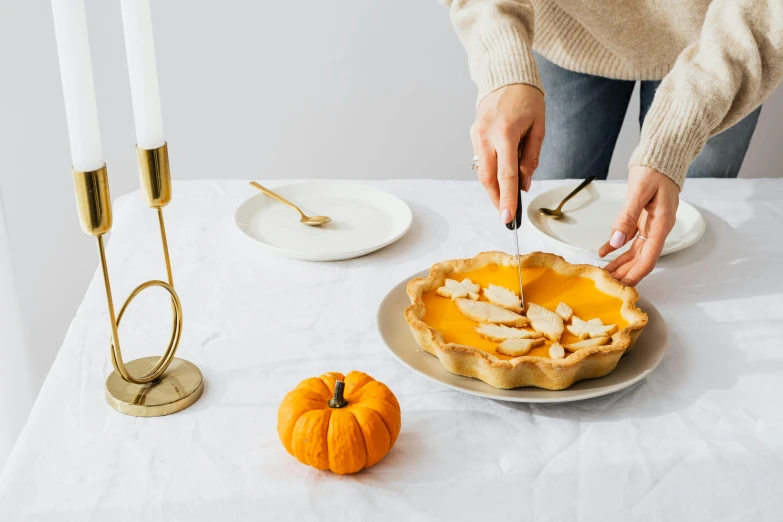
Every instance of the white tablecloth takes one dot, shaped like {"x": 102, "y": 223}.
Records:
{"x": 700, "y": 439}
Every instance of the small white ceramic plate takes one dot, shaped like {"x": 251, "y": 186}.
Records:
{"x": 591, "y": 213}
{"x": 364, "y": 219}
{"x": 632, "y": 368}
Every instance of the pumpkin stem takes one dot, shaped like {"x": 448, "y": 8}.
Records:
{"x": 338, "y": 401}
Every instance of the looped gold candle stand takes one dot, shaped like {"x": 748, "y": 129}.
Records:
{"x": 150, "y": 386}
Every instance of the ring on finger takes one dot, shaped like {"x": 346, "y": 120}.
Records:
{"x": 639, "y": 236}
{"x": 475, "y": 164}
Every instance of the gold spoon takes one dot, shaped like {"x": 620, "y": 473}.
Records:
{"x": 558, "y": 212}
{"x": 313, "y": 221}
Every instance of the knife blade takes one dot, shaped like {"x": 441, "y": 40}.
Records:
{"x": 514, "y": 227}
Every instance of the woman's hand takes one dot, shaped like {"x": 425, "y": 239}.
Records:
{"x": 507, "y": 138}
{"x": 651, "y": 209}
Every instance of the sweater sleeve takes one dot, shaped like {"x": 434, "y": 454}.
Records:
{"x": 715, "y": 82}
{"x": 498, "y": 37}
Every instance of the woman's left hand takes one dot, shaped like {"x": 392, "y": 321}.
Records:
{"x": 651, "y": 210}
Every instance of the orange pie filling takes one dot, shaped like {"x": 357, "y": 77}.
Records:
{"x": 542, "y": 286}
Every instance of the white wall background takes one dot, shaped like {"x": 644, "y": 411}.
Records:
{"x": 349, "y": 89}
{"x": 16, "y": 394}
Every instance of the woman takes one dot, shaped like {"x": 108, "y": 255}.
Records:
{"x": 705, "y": 66}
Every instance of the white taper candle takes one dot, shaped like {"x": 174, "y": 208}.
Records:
{"x": 81, "y": 111}
{"x": 143, "y": 72}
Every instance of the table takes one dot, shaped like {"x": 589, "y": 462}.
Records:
{"x": 699, "y": 439}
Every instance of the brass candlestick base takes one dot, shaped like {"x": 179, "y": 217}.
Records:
{"x": 176, "y": 389}
{"x": 144, "y": 387}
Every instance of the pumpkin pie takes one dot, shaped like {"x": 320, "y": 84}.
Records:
{"x": 576, "y": 322}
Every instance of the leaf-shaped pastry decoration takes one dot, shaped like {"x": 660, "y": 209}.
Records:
{"x": 564, "y": 311}
{"x": 482, "y": 312}
{"x": 587, "y": 343}
{"x": 556, "y": 351}
{"x": 502, "y": 296}
{"x": 499, "y": 333}
{"x": 518, "y": 347}
{"x": 456, "y": 289}
{"x": 590, "y": 329}
{"x": 545, "y": 321}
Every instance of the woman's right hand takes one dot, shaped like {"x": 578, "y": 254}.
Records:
{"x": 507, "y": 137}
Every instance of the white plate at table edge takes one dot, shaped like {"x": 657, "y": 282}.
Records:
{"x": 341, "y": 256}
{"x": 533, "y": 218}
{"x": 647, "y": 354}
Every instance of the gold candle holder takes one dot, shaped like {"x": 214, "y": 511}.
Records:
{"x": 150, "y": 386}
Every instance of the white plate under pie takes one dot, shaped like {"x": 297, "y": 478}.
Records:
{"x": 591, "y": 213}
{"x": 637, "y": 364}
{"x": 364, "y": 219}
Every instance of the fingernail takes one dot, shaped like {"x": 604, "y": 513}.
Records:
{"x": 505, "y": 216}
{"x": 617, "y": 240}
{"x": 526, "y": 184}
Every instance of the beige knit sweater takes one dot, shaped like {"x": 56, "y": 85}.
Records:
{"x": 719, "y": 59}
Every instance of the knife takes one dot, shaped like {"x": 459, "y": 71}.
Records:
{"x": 514, "y": 226}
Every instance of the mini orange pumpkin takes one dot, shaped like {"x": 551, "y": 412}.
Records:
{"x": 341, "y": 423}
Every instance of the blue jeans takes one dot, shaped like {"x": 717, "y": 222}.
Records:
{"x": 584, "y": 114}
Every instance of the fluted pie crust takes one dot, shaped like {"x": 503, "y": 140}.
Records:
{"x": 541, "y": 372}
